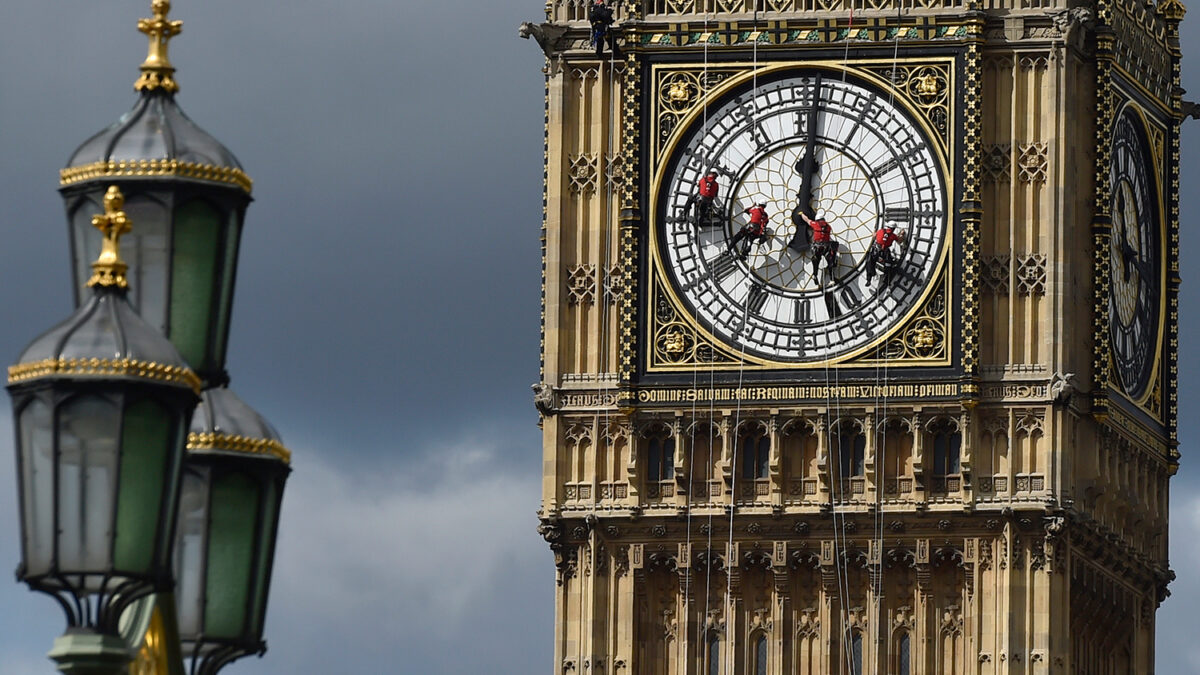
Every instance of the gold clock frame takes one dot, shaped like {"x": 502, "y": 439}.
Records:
{"x": 925, "y": 88}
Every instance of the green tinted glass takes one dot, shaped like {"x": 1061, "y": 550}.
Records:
{"x": 230, "y": 554}
{"x": 146, "y": 442}
{"x": 194, "y": 267}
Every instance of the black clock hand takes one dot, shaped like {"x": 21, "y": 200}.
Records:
{"x": 807, "y": 167}
{"x": 1123, "y": 243}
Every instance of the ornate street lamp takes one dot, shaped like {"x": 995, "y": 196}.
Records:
{"x": 233, "y": 483}
{"x": 102, "y": 402}
{"x": 188, "y": 194}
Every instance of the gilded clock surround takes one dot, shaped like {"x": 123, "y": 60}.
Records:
{"x": 676, "y": 341}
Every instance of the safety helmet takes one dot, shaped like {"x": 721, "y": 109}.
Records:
{"x": 762, "y": 205}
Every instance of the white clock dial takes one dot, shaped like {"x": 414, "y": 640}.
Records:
{"x": 872, "y": 165}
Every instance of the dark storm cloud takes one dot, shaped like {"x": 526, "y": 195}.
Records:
{"x": 387, "y": 300}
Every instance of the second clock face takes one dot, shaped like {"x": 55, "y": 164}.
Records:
{"x": 1134, "y": 269}
{"x": 871, "y": 167}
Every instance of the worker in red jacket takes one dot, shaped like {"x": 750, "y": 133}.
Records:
{"x": 823, "y": 245}
{"x": 879, "y": 255}
{"x": 752, "y": 232}
{"x": 706, "y": 193}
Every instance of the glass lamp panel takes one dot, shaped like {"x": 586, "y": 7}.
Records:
{"x": 86, "y": 240}
{"x": 146, "y": 444}
{"x": 193, "y": 271}
{"x": 266, "y": 552}
{"x": 230, "y": 554}
{"x": 228, "y": 269}
{"x": 192, "y": 529}
{"x": 88, "y": 427}
{"x": 36, "y": 438}
{"x": 146, "y": 248}
{"x": 144, "y": 137}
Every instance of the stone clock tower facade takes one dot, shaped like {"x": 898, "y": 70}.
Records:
{"x": 766, "y": 452}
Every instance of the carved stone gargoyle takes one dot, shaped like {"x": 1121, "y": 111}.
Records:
{"x": 543, "y": 398}
{"x": 549, "y": 36}
{"x": 1062, "y": 387}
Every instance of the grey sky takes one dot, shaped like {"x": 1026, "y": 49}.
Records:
{"x": 386, "y": 318}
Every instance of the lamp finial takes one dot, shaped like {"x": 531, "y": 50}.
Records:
{"x": 109, "y": 270}
{"x": 157, "y": 71}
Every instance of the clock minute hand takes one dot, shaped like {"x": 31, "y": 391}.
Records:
{"x": 808, "y": 171}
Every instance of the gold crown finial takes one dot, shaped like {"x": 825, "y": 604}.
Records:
{"x": 157, "y": 72}
{"x": 109, "y": 269}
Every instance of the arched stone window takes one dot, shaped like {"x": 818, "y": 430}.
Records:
{"x": 660, "y": 456}
{"x": 712, "y": 654}
{"x": 758, "y": 654}
{"x": 856, "y": 653}
{"x": 754, "y": 450}
{"x": 944, "y": 456}
{"x": 851, "y": 451}
{"x": 902, "y": 654}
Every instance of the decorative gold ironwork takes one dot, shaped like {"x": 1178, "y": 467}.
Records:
{"x": 630, "y": 219}
{"x": 925, "y": 336}
{"x": 106, "y": 368}
{"x": 680, "y": 91}
{"x": 676, "y": 342}
{"x": 927, "y": 87}
{"x": 153, "y": 168}
{"x": 242, "y": 444}
{"x": 157, "y": 71}
{"x": 109, "y": 270}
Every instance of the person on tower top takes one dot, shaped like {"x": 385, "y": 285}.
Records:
{"x": 823, "y": 245}
{"x": 752, "y": 232}
{"x": 600, "y": 16}
{"x": 880, "y": 254}
{"x": 706, "y": 193}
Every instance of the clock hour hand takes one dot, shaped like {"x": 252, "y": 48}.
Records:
{"x": 807, "y": 168}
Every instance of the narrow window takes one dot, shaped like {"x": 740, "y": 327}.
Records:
{"x": 947, "y": 443}
{"x": 903, "y": 655}
{"x": 713, "y": 655}
{"x": 755, "y": 455}
{"x": 851, "y": 452}
{"x": 760, "y": 655}
{"x": 661, "y": 458}
{"x": 856, "y": 654}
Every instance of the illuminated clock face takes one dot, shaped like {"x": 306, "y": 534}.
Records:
{"x": 1134, "y": 265}
{"x": 836, "y": 148}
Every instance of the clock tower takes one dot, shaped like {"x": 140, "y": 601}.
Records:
{"x": 859, "y": 334}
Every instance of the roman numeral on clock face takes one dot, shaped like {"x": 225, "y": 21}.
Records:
{"x": 719, "y": 267}
{"x": 757, "y": 298}
{"x": 801, "y": 311}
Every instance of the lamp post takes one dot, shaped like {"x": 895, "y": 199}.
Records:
{"x": 102, "y": 402}
{"x": 104, "y": 406}
{"x": 233, "y": 480}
